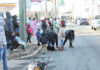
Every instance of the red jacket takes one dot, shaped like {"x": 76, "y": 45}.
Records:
{"x": 29, "y": 30}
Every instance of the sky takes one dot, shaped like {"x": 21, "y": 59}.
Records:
{"x": 78, "y": 6}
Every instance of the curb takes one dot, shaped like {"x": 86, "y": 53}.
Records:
{"x": 28, "y": 56}
{"x": 31, "y": 55}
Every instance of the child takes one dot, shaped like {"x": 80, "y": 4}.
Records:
{"x": 61, "y": 45}
{"x": 29, "y": 32}
{"x": 43, "y": 40}
{"x": 38, "y": 34}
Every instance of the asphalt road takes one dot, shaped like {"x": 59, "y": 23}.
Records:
{"x": 84, "y": 56}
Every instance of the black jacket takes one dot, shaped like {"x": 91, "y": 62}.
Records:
{"x": 52, "y": 37}
{"x": 9, "y": 24}
{"x": 69, "y": 34}
{"x": 15, "y": 23}
{"x": 44, "y": 25}
{"x": 44, "y": 38}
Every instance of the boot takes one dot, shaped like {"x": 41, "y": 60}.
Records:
{"x": 59, "y": 48}
{"x": 53, "y": 49}
{"x": 71, "y": 46}
{"x": 48, "y": 48}
{"x": 62, "y": 48}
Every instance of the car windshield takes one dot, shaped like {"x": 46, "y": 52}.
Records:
{"x": 84, "y": 19}
{"x": 97, "y": 17}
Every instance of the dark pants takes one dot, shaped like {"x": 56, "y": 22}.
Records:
{"x": 71, "y": 44}
{"x": 44, "y": 29}
{"x": 51, "y": 46}
{"x": 70, "y": 41}
{"x": 29, "y": 37}
{"x": 38, "y": 39}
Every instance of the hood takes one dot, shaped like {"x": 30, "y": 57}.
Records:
{"x": 8, "y": 15}
{"x": 1, "y": 14}
{"x": 14, "y": 17}
{"x": 28, "y": 25}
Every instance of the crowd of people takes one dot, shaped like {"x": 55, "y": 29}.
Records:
{"x": 46, "y": 30}
{"x": 47, "y": 33}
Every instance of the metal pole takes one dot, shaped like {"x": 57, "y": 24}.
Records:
{"x": 93, "y": 9}
{"x": 22, "y": 18}
{"x": 58, "y": 8}
{"x": 55, "y": 10}
{"x": 46, "y": 12}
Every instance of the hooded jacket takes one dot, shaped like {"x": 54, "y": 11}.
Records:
{"x": 29, "y": 29}
{"x": 2, "y": 32}
{"x": 9, "y": 24}
{"x": 15, "y": 24}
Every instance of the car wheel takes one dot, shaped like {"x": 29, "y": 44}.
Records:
{"x": 94, "y": 28}
{"x": 91, "y": 27}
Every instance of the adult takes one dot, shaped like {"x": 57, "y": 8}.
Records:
{"x": 15, "y": 25}
{"x": 44, "y": 25}
{"x": 69, "y": 34}
{"x": 54, "y": 25}
{"x": 33, "y": 25}
{"x": 58, "y": 24}
{"x": 50, "y": 24}
{"x": 63, "y": 25}
{"x": 3, "y": 47}
{"x": 8, "y": 29}
{"x": 29, "y": 21}
{"x": 9, "y": 24}
{"x": 52, "y": 39}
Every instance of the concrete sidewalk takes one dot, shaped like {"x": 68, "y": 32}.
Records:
{"x": 15, "y": 60}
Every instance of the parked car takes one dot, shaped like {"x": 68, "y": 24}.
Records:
{"x": 84, "y": 21}
{"x": 95, "y": 22}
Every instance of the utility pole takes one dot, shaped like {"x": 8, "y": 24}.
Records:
{"x": 93, "y": 9}
{"x": 55, "y": 10}
{"x": 46, "y": 12}
{"x": 22, "y": 18}
{"x": 58, "y": 8}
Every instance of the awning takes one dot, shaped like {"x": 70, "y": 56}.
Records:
{"x": 8, "y": 5}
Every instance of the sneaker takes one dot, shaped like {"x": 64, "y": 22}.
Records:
{"x": 53, "y": 49}
{"x": 43, "y": 52}
{"x": 71, "y": 47}
{"x": 38, "y": 44}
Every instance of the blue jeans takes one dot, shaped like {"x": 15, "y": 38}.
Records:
{"x": 3, "y": 55}
{"x": 38, "y": 38}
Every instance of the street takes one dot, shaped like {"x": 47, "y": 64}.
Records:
{"x": 84, "y": 56}
{"x": 33, "y": 35}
